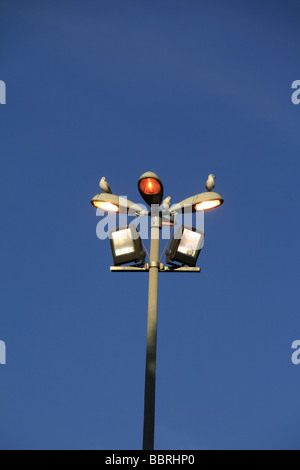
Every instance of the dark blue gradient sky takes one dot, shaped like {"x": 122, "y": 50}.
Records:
{"x": 117, "y": 88}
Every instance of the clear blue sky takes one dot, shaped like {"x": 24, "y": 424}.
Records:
{"x": 183, "y": 89}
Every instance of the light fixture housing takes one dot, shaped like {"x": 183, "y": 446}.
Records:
{"x": 199, "y": 202}
{"x": 151, "y": 188}
{"x": 112, "y": 203}
{"x": 186, "y": 246}
{"x": 126, "y": 246}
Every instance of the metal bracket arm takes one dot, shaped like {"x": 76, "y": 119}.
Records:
{"x": 147, "y": 267}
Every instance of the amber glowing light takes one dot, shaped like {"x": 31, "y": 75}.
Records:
{"x": 150, "y": 186}
{"x": 168, "y": 224}
{"x": 106, "y": 206}
{"x": 206, "y": 205}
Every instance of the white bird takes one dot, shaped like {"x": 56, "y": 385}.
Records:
{"x": 166, "y": 203}
{"x": 104, "y": 185}
{"x": 210, "y": 183}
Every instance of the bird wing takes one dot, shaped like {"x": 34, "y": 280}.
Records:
{"x": 108, "y": 187}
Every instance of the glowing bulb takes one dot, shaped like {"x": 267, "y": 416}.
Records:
{"x": 150, "y": 186}
{"x": 206, "y": 205}
{"x": 106, "y": 206}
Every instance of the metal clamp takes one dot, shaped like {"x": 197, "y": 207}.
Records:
{"x": 154, "y": 264}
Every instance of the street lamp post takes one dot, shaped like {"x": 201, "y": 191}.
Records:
{"x": 151, "y": 189}
{"x": 150, "y": 376}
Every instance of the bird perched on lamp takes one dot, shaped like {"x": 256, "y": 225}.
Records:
{"x": 166, "y": 203}
{"x": 210, "y": 183}
{"x": 104, "y": 185}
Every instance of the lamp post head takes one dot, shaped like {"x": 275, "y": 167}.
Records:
{"x": 151, "y": 188}
{"x": 113, "y": 203}
{"x": 199, "y": 202}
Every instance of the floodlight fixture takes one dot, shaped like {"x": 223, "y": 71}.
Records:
{"x": 186, "y": 246}
{"x": 126, "y": 246}
{"x": 151, "y": 188}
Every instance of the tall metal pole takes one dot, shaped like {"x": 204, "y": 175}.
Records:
{"x": 149, "y": 411}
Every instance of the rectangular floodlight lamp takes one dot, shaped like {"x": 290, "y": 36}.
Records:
{"x": 126, "y": 245}
{"x": 186, "y": 246}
